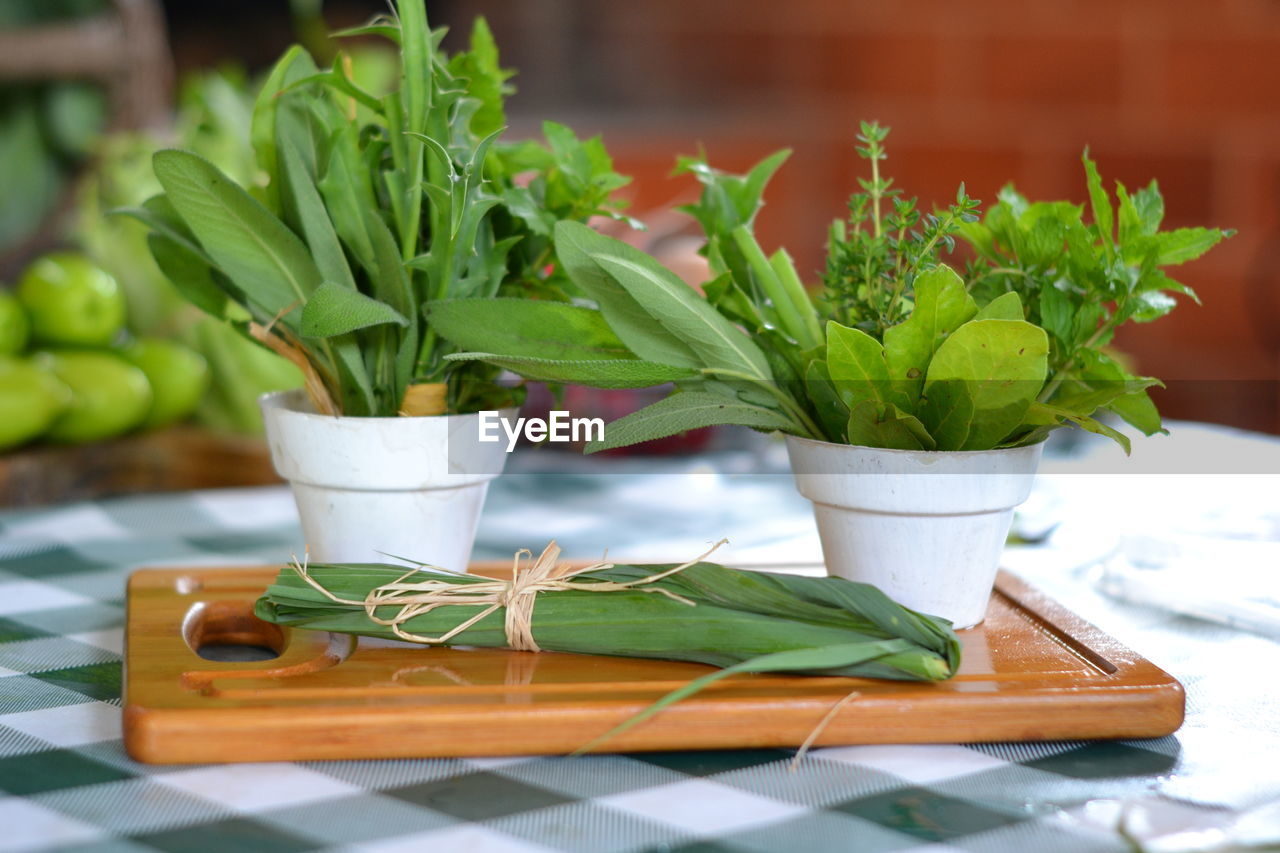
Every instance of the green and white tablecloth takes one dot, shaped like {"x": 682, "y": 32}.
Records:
{"x": 67, "y": 783}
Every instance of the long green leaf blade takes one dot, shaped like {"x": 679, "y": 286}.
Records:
{"x": 685, "y": 411}
{"x": 526, "y": 328}
{"x": 254, "y": 248}
{"x": 336, "y": 310}
{"x": 593, "y": 373}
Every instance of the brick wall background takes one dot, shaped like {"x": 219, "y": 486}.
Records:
{"x": 986, "y": 91}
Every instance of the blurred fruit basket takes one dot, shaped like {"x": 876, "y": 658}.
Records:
{"x": 100, "y": 359}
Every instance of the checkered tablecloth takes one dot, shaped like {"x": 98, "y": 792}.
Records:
{"x": 68, "y": 784}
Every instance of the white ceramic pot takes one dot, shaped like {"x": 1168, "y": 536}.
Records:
{"x": 926, "y": 527}
{"x": 367, "y": 488}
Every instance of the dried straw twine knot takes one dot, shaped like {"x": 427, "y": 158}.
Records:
{"x": 516, "y": 596}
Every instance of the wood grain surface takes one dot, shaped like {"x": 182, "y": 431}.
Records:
{"x": 1031, "y": 671}
{"x": 174, "y": 459}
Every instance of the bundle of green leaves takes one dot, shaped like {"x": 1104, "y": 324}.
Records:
{"x": 372, "y": 206}
{"x": 898, "y": 350}
{"x": 705, "y": 613}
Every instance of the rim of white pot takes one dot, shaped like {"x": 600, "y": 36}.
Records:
{"x": 377, "y": 453}
{"x": 924, "y": 482}
{"x": 955, "y": 454}
{"x": 295, "y": 402}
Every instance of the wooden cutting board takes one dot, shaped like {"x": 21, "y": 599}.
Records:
{"x": 1031, "y": 671}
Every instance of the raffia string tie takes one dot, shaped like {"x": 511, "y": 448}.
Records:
{"x": 517, "y": 596}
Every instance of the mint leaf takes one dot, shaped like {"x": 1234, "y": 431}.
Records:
{"x": 1051, "y": 416}
{"x": 486, "y": 78}
{"x": 1149, "y": 205}
{"x": 1184, "y": 244}
{"x": 1138, "y": 411}
{"x": 1100, "y": 203}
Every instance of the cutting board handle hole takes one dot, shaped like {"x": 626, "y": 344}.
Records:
{"x": 228, "y": 631}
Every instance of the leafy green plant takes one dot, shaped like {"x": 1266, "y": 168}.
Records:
{"x": 1081, "y": 281}
{"x": 214, "y": 112}
{"x": 899, "y": 350}
{"x": 373, "y": 206}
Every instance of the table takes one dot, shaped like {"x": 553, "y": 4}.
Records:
{"x": 68, "y": 784}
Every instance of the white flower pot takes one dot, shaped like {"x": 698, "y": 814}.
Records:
{"x": 926, "y": 527}
{"x": 367, "y": 488}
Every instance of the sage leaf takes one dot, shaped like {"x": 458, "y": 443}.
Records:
{"x": 296, "y": 64}
{"x": 658, "y": 316}
{"x": 685, "y": 411}
{"x": 158, "y": 215}
{"x": 594, "y": 373}
{"x": 721, "y": 345}
{"x": 348, "y": 192}
{"x": 730, "y": 300}
{"x": 190, "y": 275}
{"x": 336, "y": 310}
{"x": 526, "y": 328}
{"x": 254, "y": 248}
{"x": 316, "y": 227}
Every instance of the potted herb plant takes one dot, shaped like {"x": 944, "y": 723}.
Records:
{"x": 914, "y": 395}
{"x": 373, "y": 205}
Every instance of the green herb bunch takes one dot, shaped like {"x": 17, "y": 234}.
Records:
{"x": 874, "y": 256}
{"x": 1080, "y": 282}
{"x": 214, "y": 112}
{"x": 898, "y": 350}
{"x": 372, "y": 206}
{"x": 747, "y": 621}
